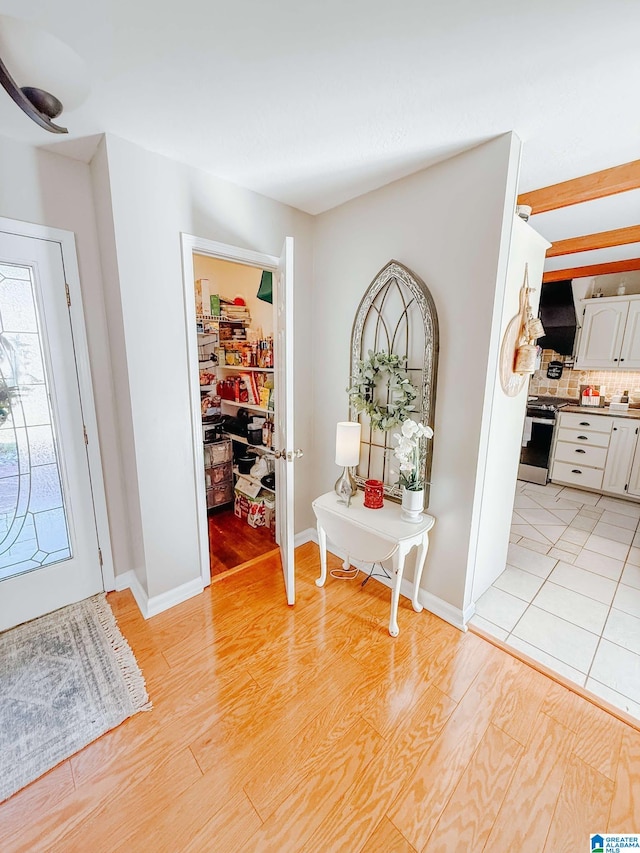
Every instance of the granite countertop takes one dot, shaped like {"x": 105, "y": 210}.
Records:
{"x": 605, "y": 410}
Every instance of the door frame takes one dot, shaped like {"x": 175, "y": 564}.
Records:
{"x": 223, "y": 252}
{"x": 67, "y": 243}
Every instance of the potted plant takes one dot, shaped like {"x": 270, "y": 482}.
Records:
{"x": 8, "y": 393}
{"x": 410, "y": 452}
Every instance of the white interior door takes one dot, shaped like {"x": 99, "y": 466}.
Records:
{"x": 284, "y": 416}
{"x": 49, "y": 553}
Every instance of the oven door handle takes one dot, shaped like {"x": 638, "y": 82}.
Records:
{"x": 549, "y": 421}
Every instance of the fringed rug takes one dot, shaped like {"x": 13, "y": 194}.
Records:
{"x": 65, "y": 679}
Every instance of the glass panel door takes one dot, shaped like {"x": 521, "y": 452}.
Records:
{"x": 33, "y": 522}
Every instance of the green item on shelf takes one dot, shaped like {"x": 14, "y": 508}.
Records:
{"x": 215, "y": 305}
{"x": 265, "y": 291}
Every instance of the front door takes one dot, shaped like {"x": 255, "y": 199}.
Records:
{"x": 49, "y": 553}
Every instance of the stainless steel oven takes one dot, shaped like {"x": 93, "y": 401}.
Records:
{"x": 537, "y": 437}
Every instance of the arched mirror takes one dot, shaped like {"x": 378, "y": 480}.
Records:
{"x": 396, "y": 317}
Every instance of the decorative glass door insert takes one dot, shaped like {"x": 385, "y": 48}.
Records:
{"x": 34, "y": 531}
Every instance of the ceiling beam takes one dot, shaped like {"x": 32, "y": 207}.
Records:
{"x": 602, "y": 240}
{"x": 618, "y": 179}
{"x": 595, "y": 269}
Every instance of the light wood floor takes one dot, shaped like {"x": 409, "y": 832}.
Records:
{"x": 233, "y": 542}
{"x": 310, "y": 729}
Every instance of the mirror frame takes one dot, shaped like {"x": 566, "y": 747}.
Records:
{"x": 403, "y": 276}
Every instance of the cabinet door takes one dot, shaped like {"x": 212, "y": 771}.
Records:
{"x": 602, "y": 334}
{"x": 634, "y": 476}
{"x": 630, "y": 352}
{"x": 619, "y": 457}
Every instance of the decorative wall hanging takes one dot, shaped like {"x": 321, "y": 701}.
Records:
{"x": 518, "y": 352}
{"x": 395, "y": 330}
{"x": 381, "y": 387}
{"x": 554, "y": 370}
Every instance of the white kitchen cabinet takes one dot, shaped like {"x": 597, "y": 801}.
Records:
{"x": 597, "y": 451}
{"x": 619, "y": 457}
{"x": 634, "y": 477}
{"x": 630, "y": 350}
{"x": 602, "y": 334}
{"x": 581, "y": 449}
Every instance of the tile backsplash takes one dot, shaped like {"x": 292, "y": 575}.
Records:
{"x": 614, "y": 381}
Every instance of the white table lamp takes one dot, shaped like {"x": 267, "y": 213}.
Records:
{"x": 348, "y": 456}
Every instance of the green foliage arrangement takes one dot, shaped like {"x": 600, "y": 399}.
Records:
{"x": 365, "y": 390}
{"x": 8, "y": 394}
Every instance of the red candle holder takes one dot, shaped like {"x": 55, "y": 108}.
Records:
{"x": 373, "y": 494}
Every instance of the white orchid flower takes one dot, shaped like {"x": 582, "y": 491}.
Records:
{"x": 424, "y": 431}
{"x": 409, "y": 428}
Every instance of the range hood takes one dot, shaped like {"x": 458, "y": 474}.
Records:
{"x": 558, "y": 315}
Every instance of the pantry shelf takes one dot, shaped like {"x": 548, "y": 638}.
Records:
{"x": 259, "y": 448}
{"x": 252, "y": 480}
{"x": 247, "y": 406}
{"x": 240, "y": 369}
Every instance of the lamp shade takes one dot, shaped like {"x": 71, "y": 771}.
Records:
{"x": 347, "y": 443}
{"x": 35, "y": 57}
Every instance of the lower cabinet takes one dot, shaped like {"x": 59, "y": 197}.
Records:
{"x": 599, "y": 452}
{"x": 634, "y": 476}
{"x": 620, "y": 457}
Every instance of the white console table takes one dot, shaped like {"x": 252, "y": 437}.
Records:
{"x": 372, "y": 535}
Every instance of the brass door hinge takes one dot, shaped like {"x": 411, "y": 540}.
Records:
{"x": 86, "y": 437}
{"x": 100, "y": 556}
{"x": 66, "y": 288}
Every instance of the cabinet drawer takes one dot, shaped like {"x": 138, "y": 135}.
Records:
{"x": 584, "y": 436}
{"x": 577, "y": 475}
{"x": 596, "y": 423}
{"x": 579, "y": 455}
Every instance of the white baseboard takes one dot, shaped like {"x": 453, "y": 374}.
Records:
{"x": 308, "y": 535}
{"x": 453, "y": 615}
{"x": 129, "y": 580}
{"x": 158, "y": 603}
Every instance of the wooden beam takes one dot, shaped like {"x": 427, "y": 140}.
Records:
{"x": 594, "y": 269}
{"x": 618, "y": 179}
{"x": 602, "y": 240}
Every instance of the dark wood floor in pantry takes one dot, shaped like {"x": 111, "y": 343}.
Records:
{"x": 308, "y": 728}
{"x": 233, "y": 542}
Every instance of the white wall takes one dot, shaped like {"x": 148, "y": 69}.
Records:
{"x": 447, "y": 224}
{"x": 504, "y": 416}
{"x": 47, "y": 189}
{"x": 153, "y": 200}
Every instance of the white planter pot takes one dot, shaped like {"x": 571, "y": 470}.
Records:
{"x": 412, "y": 505}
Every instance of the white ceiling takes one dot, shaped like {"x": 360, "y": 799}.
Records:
{"x": 313, "y": 103}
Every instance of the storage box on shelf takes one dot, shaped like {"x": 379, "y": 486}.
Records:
{"x": 218, "y": 472}
{"x": 257, "y": 512}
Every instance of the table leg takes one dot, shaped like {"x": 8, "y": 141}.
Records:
{"x": 398, "y": 568}
{"x": 322, "y": 542}
{"x": 421, "y": 556}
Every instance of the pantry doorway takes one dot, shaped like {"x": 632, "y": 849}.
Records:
{"x": 239, "y": 332}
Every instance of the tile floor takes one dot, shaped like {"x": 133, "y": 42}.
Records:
{"x": 570, "y": 594}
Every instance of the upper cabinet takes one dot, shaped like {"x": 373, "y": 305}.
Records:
{"x": 610, "y": 335}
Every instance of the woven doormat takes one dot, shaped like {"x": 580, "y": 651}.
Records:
{"x": 65, "y": 679}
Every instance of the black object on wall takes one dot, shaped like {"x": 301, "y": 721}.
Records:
{"x": 558, "y": 315}
{"x": 554, "y": 370}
